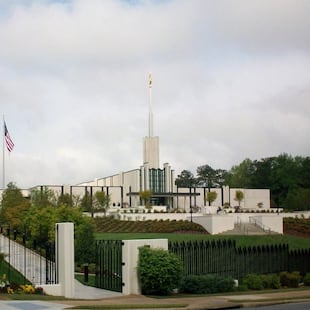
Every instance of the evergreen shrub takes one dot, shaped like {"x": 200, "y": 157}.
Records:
{"x": 159, "y": 271}
{"x": 253, "y": 282}
{"x": 206, "y": 284}
{"x": 261, "y": 281}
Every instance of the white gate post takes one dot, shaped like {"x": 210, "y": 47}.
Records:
{"x": 130, "y": 257}
{"x": 65, "y": 258}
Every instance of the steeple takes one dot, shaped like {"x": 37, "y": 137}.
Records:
{"x": 150, "y": 107}
{"x": 150, "y": 143}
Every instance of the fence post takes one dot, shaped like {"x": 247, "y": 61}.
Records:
{"x": 65, "y": 258}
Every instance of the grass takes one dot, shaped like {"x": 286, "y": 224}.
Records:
{"x": 91, "y": 279}
{"x": 12, "y": 274}
{"x": 241, "y": 241}
{"x": 133, "y": 306}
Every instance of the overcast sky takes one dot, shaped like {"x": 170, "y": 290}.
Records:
{"x": 231, "y": 80}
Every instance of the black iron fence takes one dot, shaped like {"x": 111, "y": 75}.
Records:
{"x": 109, "y": 265}
{"x": 222, "y": 257}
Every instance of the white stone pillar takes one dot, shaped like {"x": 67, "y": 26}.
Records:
{"x": 130, "y": 257}
{"x": 65, "y": 258}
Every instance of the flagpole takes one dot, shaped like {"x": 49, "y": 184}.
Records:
{"x": 3, "y": 157}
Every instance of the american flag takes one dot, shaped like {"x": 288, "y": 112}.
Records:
{"x": 8, "y": 141}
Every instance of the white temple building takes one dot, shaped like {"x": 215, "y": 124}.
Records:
{"x": 124, "y": 187}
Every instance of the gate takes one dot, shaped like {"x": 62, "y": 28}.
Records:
{"x": 109, "y": 265}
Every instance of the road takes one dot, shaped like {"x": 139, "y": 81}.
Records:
{"x": 289, "y": 306}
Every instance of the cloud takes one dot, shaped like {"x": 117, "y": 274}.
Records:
{"x": 231, "y": 81}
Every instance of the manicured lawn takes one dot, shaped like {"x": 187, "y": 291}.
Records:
{"x": 241, "y": 241}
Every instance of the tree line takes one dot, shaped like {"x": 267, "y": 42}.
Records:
{"x": 287, "y": 177}
{"x": 34, "y": 217}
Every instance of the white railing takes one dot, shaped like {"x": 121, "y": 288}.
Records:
{"x": 258, "y": 223}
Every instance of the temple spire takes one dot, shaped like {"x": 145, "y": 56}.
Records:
{"x": 150, "y": 106}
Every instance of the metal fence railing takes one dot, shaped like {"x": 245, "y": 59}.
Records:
{"x": 222, "y": 257}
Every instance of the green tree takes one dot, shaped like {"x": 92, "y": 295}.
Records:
{"x": 87, "y": 203}
{"x": 284, "y": 177}
{"x": 43, "y": 197}
{"x": 221, "y": 178}
{"x": 242, "y": 175}
{"x": 101, "y": 202}
{"x": 146, "y": 196}
{"x": 40, "y": 223}
{"x": 297, "y": 200}
{"x": 185, "y": 179}
{"x": 13, "y": 206}
{"x": 206, "y": 176}
{"x": 239, "y": 196}
{"x": 211, "y": 197}
{"x": 85, "y": 242}
{"x": 65, "y": 199}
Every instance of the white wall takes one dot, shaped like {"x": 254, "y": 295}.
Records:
{"x": 214, "y": 223}
{"x": 272, "y": 221}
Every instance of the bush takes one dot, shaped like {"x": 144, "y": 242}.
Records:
{"x": 271, "y": 281}
{"x": 253, "y": 282}
{"x": 261, "y": 281}
{"x": 159, "y": 271}
{"x": 307, "y": 279}
{"x": 288, "y": 279}
{"x": 206, "y": 284}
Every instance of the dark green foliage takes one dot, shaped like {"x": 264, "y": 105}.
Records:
{"x": 206, "y": 284}
{"x": 290, "y": 279}
{"x": 185, "y": 179}
{"x": 287, "y": 177}
{"x": 297, "y": 199}
{"x": 13, "y": 206}
{"x": 307, "y": 279}
{"x": 253, "y": 282}
{"x": 84, "y": 242}
{"x": 262, "y": 281}
{"x": 271, "y": 281}
{"x": 159, "y": 271}
{"x": 65, "y": 199}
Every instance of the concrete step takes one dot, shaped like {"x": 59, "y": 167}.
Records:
{"x": 247, "y": 229}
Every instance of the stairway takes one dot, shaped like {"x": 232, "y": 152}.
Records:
{"x": 248, "y": 229}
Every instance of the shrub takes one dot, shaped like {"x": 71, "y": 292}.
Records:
{"x": 159, "y": 271}
{"x": 288, "y": 279}
{"x": 206, "y": 284}
{"x": 262, "y": 281}
{"x": 307, "y": 279}
{"x": 270, "y": 281}
{"x": 253, "y": 282}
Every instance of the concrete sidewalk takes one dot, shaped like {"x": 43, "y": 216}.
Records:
{"x": 204, "y": 302}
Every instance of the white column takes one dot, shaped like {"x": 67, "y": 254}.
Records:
{"x": 65, "y": 258}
